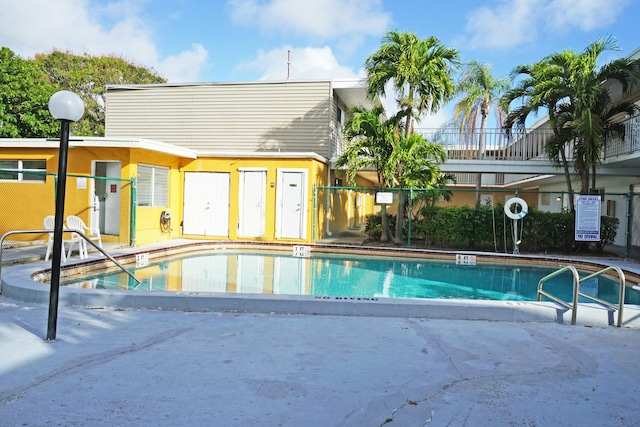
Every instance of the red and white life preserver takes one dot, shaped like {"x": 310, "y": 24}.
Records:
{"x": 524, "y": 209}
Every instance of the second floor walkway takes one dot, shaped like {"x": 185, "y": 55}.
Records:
{"x": 523, "y": 152}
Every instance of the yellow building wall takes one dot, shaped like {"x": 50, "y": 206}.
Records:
{"x": 25, "y": 204}
{"x": 316, "y": 176}
{"x": 78, "y": 200}
{"x": 467, "y": 196}
{"x": 148, "y": 229}
{"x": 349, "y": 208}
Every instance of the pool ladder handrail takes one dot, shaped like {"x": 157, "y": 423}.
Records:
{"x": 573, "y": 306}
{"x": 80, "y": 233}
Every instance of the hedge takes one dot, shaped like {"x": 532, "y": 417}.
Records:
{"x": 487, "y": 228}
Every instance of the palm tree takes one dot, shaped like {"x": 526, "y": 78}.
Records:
{"x": 420, "y": 71}
{"x": 544, "y": 88}
{"x": 399, "y": 161}
{"x": 480, "y": 91}
{"x": 593, "y": 106}
{"x": 369, "y": 144}
{"x": 416, "y": 163}
{"x": 573, "y": 90}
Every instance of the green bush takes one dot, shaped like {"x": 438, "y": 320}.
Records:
{"x": 373, "y": 228}
{"x": 485, "y": 227}
{"x": 608, "y": 231}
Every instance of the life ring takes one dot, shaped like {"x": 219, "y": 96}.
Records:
{"x": 523, "y": 208}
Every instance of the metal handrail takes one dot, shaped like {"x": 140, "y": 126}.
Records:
{"x": 576, "y": 290}
{"x": 621, "y": 280}
{"x": 80, "y": 233}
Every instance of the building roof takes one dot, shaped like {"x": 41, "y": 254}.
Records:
{"x": 351, "y": 91}
{"x": 101, "y": 142}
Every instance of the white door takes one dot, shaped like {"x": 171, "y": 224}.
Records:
{"x": 206, "y": 204}
{"x": 291, "y": 209}
{"x": 108, "y": 194}
{"x": 253, "y": 186}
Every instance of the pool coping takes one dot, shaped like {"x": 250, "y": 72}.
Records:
{"x": 19, "y": 283}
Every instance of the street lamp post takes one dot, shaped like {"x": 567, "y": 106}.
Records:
{"x": 66, "y": 107}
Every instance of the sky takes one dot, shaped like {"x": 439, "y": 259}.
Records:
{"x": 248, "y": 40}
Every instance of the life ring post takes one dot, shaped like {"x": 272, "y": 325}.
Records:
{"x": 524, "y": 208}
{"x": 516, "y": 215}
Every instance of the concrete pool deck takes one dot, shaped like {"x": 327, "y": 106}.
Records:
{"x": 161, "y": 368}
{"x": 127, "y": 366}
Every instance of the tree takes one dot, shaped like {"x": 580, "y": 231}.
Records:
{"x": 480, "y": 92}
{"x": 24, "y": 99}
{"x": 400, "y": 161}
{"x": 88, "y": 76}
{"x": 416, "y": 164}
{"x": 593, "y": 108}
{"x": 574, "y": 91}
{"x": 369, "y": 144}
{"x": 543, "y": 87}
{"x": 420, "y": 71}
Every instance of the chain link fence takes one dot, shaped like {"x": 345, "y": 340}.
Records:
{"x": 465, "y": 219}
{"x": 27, "y": 197}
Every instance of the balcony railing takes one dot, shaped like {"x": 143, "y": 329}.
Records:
{"x": 498, "y": 144}
{"x": 630, "y": 143}
{"x": 492, "y": 144}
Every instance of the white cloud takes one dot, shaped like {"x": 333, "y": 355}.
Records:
{"x": 33, "y": 26}
{"x": 185, "y": 66}
{"x": 586, "y": 15}
{"x": 306, "y": 63}
{"x": 509, "y": 23}
{"x": 348, "y": 21}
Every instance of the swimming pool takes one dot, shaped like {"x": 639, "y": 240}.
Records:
{"x": 340, "y": 275}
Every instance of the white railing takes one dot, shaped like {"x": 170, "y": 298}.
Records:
{"x": 491, "y": 144}
{"x": 513, "y": 145}
{"x": 498, "y": 144}
{"x": 630, "y": 143}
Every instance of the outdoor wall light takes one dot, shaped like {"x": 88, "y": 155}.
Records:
{"x": 66, "y": 107}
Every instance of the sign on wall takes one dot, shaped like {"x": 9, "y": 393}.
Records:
{"x": 588, "y": 218}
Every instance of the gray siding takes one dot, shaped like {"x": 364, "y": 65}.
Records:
{"x": 262, "y": 116}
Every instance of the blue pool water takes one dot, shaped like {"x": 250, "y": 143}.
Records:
{"x": 348, "y": 276}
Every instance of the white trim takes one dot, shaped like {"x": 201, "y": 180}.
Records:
{"x": 340, "y": 83}
{"x": 101, "y": 142}
{"x": 263, "y": 155}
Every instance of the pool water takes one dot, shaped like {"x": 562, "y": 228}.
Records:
{"x": 348, "y": 276}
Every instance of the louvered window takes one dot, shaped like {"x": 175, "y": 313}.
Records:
{"x": 153, "y": 186}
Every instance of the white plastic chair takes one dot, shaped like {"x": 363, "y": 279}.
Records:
{"x": 49, "y": 224}
{"x": 76, "y": 223}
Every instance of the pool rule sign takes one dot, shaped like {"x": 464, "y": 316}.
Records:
{"x": 588, "y": 218}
